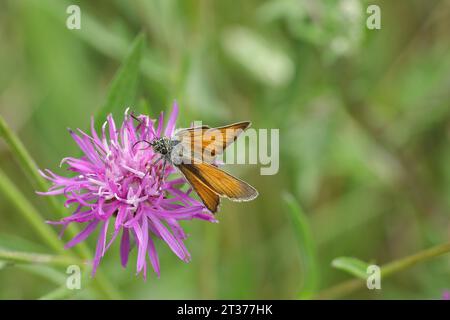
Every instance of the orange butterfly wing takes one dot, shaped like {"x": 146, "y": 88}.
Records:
{"x": 205, "y": 143}
{"x": 220, "y": 182}
{"x": 208, "y": 196}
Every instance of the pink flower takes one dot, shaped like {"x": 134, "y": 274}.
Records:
{"x": 446, "y": 295}
{"x": 119, "y": 187}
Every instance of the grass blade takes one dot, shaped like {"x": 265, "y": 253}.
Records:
{"x": 352, "y": 265}
{"x": 24, "y": 159}
{"x": 305, "y": 242}
{"x": 123, "y": 88}
{"x": 36, "y": 258}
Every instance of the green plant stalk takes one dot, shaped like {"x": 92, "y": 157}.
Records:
{"x": 25, "y": 161}
{"x": 402, "y": 264}
{"x": 30, "y": 214}
{"x": 37, "y": 258}
{"x": 58, "y": 294}
{"x": 387, "y": 270}
{"x": 30, "y": 168}
{"x": 62, "y": 292}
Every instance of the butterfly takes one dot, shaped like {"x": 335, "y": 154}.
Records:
{"x": 193, "y": 152}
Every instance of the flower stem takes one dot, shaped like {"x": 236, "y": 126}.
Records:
{"x": 29, "y": 166}
{"x": 58, "y": 294}
{"x": 47, "y": 234}
{"x": 387, "y": 270}
{"x": 37, "y": 258}
{"x": 30, "y": 214}
{"x": 402, "y": 264}
{"x": 26, "y": 162}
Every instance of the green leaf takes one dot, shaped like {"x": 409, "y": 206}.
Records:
{"x": 354, "y": 266}
{"x": 123, "y": 88}
{"x": 305, "y": 242}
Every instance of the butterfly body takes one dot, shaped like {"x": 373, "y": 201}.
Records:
{"x": 164, "y": 146}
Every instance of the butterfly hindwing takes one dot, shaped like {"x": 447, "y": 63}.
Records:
{"x": 206, "y": 194}
{"x": 220, "y": 182}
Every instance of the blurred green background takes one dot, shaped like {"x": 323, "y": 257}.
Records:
{"x": 364, "y": 121}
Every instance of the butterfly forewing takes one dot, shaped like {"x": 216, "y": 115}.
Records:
{"x": 205, "y": 143}
{"x": 194, "y": 154}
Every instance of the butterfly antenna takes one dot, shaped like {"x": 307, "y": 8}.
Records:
{"x": 135, "y": 117}
{"x": 150, "y": 143}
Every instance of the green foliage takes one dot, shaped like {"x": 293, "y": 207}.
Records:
{"x": 363, "y": 118}
{"x": 305, "y": 242}
{"x": 354, "y": 266}
{"x": 123, "y": 88}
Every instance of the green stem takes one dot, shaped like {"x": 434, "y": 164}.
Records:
{"x": 47, "y": 234}
{"x": 387, "y": 270}
{"x": 58, "y": 294}
{"x": 37, "y": 258}
{"x": 29, "y": 166}
{"x": 29, "y": 213}
{"x": 402, "y": 264}
{"x": 25, "y": 160}
{"x": 99, "y": 282}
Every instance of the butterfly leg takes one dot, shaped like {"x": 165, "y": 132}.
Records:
{"x": 163, "y": 173}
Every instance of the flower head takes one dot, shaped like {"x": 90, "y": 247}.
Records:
{"x": 119, "y": 188}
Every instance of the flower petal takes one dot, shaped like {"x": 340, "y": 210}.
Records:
{"x": 83, "y": 234}
{"x": 100, "y": 250}
{"x": 124, "y": 247}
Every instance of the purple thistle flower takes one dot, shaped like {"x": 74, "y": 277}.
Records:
{"x": 119, "y": 189}
{"x": 446, "y": 295}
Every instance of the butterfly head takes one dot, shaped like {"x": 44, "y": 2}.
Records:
{"x": 162, "y": 145}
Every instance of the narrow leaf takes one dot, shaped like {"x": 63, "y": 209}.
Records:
{"x": 305, "y": 242}
{"x": 123, "y": 88}
{"x": 354, "y": 266}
